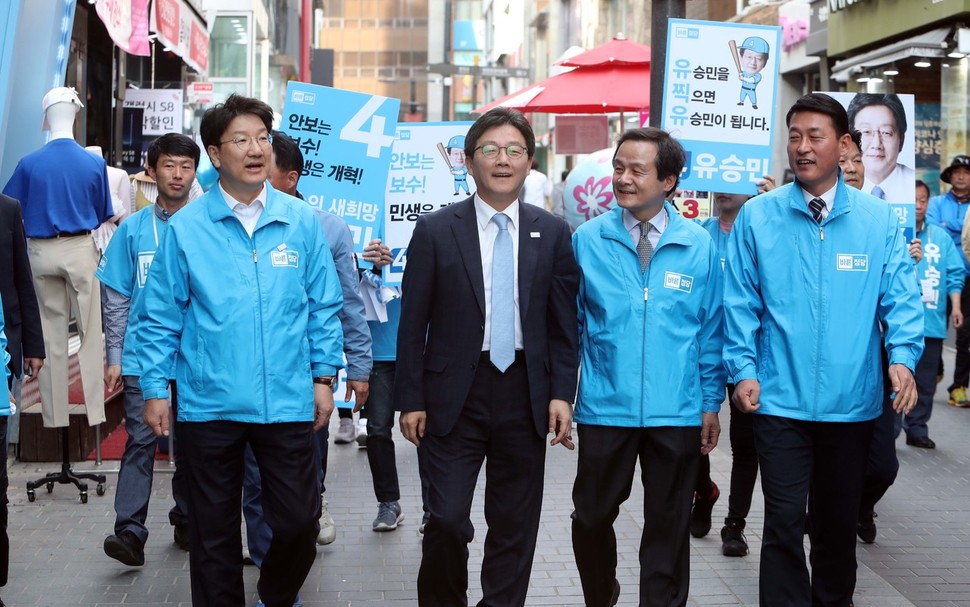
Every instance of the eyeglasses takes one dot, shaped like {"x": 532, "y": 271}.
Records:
{"x": 243, "y": 142}
{"x": 490, "y": 150}
{"x": 882, "y": 133}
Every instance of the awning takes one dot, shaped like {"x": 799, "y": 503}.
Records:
{"x": 183, "y": 31}
{"x": 928, "y": 44}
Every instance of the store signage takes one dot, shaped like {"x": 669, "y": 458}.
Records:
{"x": 581, "y": 134}
{"x": 127, "y": 24}
{"x": 163, "y": 109}
{"x": 199, "y": 92}
{"x": 837, "y": 5}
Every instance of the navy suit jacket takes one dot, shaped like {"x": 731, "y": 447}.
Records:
{"x": 442, "y": 326}
{"x": 20, "y": 311}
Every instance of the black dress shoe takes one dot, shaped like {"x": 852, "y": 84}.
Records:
{"x": 616, "y": 593}
{"x": 866, "y": 528}
{"x": 181, "y": 536}
{"x": 126, "y": 548}
{"x": 923, "y": 442}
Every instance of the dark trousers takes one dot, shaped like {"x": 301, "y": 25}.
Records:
{"x": 213, "y": 453}
{"x": 495, "y": 427}
{"x": 961, "y": 369}
{"x": 915, "y": 423}
{"x": 883, "y": 465}
{"x": 607, "y": 459}
{"x": 744, "y": 465}
{"x": 380, "y": 421}
{"x": 830, "y": 458}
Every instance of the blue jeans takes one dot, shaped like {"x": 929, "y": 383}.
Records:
{"x": 137, "y": 470}
{"x": 380, "y": 421}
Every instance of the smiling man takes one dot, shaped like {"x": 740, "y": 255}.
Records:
{"x": 814, "y": 268}
{"x": 881, "y": 120}
{"x": 486, "y": 364}
{"x": 652, "y": 381}
{"x": 242, "y": 302}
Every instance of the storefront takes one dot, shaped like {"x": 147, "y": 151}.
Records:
{"x": 920, "y": 48}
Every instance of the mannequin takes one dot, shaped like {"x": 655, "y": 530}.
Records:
{"x": 63, "y": 191}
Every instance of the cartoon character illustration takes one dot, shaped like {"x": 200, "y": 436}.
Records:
{"x": 454, "y": 155}
{"x": 750, "y": 58}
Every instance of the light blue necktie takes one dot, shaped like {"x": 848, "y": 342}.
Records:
{"x": 502, "y": 346}
{"x": 878, "y": 193}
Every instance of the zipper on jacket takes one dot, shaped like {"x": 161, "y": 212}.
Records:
{"x": 254, "y": 254}
{"x": 818, "y": 333}
{"x": 821, "y": 233}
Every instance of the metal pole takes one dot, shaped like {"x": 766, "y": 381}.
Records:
{"x": 662, "y": 10}
{"x": 445, "y": 89}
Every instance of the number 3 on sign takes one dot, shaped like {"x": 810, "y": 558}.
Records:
{"x": 374, "y": 137}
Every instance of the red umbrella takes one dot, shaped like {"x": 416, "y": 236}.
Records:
{"x": 618, "y": 51}
{"x": 588, "y": 90}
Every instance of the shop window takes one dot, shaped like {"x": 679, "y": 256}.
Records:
{"x": 229, "y": 47}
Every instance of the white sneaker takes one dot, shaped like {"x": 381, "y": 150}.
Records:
{"x": 346, "y": 432}
{"x": 362, "y": 433}
{"x": 328, "y": 531}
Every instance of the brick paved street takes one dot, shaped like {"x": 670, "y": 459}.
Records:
{"x": 921, "y": 556}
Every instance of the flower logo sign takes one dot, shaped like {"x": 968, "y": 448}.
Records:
{"x": 594, "y": 196}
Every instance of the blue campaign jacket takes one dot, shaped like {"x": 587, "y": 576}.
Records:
{"x": 124, "y": 267}
{"x": 4, "y": 359}
{"x": 940, "y": 274}
{"x": 650, "y": 342}
{"x": 247, "y": 322}
{"x": 948, "y": 213}
{"x": 803, "y": 304}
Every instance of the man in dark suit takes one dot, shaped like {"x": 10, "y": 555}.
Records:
{"x": 486, "y": 364}
{"x": 25, "y": 341}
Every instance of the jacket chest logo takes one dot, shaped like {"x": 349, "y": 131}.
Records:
{"x": 852, "y": 262}
{"x": 286, "y": 259}
{"x": 678, "y": 282}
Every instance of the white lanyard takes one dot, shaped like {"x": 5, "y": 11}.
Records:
{"x": 155, "y": 227}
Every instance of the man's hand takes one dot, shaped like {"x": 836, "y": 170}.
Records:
{"x": 323, "y": 405}
{"x": 112, "y": 378}
{"x": 156, "y": 415}
{"x": 561, "y": 423}
{"x": 766, "y": 184}
{"x": 916, "y": 250}
{"x": 904, "y": 388}
{"x": 412, "y": 425}
{"x": 32, "y": 368}
{"x": 746, "y": 395}
{"x": 378, "y": 254}
{"x": 710, "y": 431}
{"x": 360, "y": 390}
{"x": 956, "y": 317}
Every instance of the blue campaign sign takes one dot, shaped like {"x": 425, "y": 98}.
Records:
{"x": 346, "y": 139}
{"x": 906, "y": 212}
{"x": 720, "y": 92}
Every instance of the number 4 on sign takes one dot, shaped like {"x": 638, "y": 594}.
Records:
{"x": 374, "y": 138}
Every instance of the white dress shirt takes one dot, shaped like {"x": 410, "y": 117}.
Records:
{"x": 658, "y": 223}
{"x": 247, "y": 214}
{"x": 898, "y": 186}
{"x": 487, "y": 231}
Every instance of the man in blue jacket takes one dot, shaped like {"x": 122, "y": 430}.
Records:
{"x": 652, "y": 380}
{"x": 242, "y": 302}
{"x": 814, "y": 268}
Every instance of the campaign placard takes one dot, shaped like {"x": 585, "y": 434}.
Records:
{"x": 346, "y": 140}
{"x": 720, "y": 90}
{"x": 428, "y": 171}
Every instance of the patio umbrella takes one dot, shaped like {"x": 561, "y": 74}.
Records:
{"x": 618, "y": 51}
{"x": 585, "y": 90}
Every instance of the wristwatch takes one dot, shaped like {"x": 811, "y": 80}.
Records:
{"x": 326, "y": 380}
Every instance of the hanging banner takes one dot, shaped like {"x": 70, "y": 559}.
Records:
{"x": 720, "y": 90}
{"x": 182, "y": 31}
{"x": 346, "y": 140}
{"x": 127, "y": 24}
